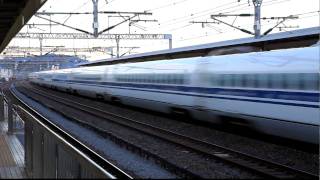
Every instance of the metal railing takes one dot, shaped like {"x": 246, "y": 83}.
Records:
{"x": 51, "y": 152}
{"x": 9, "y": 114}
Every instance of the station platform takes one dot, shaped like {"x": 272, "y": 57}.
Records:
{"x": 11, "y": 154}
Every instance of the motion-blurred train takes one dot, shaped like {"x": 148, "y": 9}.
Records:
{"x": 276, "y": 92}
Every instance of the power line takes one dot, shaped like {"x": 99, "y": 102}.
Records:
{"x": 191, "y": 17}
{"x": 168, "y": 5}
{"x": 257, "y": 24}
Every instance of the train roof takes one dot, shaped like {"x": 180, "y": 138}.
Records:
{"x": 283, "y": 40}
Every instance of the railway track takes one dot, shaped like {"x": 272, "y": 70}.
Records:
{"x": 111, "y": 170}
{"x": 261, "y": 167}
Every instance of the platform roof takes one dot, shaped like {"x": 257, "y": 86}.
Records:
{"x": 290, "y": 39}
{"x": 14, "y": 14}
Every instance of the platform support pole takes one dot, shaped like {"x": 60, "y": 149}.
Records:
{"x": 10, "y": 118}
{"x": 1, "y": 107}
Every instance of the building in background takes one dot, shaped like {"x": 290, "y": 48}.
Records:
{"x": 19, "y": 68}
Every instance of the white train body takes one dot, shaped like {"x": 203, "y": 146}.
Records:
{"x": 276, "y": 92}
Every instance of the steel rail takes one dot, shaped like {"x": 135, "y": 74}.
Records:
{"x": 254, "y": 164}
{"x": 109, "y": 169}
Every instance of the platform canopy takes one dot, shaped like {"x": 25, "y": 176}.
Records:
{"x": 14, "y": 14}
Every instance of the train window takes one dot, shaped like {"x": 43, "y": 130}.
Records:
{"x": 182, "y": 79}
{"x": 227, "y": 78}
{"x": 127, "y": 78}
{"x": 135, "y": 78}
{"x": 145, "y": 78}
{"x": 175, "y": 79}
{"x": 238, "y": 80}
{"x": 162, "y": 78}
{"x": 172, "y": 78}
{"x": 276, "y": 81}
{"x": 179, "y": 79}
{"x": 168, "y": 78}
{"x": 220, "y": 81}
{"x": 214, "y": 79}
{"x": 130, "y": 78}
{"x": 149, "y": 78}
{"x": 153, "y": 78}
{"x": 292, "y": 81}
{"x": 310, "y": 81}
{"x": 262, "y": 80}
{"x": 156, "y": 78}
{"x": 251, "y": 80}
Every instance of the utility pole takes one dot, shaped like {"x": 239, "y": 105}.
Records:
{"x": 257, "y": 20}
{"x": 40, "y": 39}
{"x": 95, "y": 23}
{"x": 118, "y": 43}
{"x": 257, "y": 14}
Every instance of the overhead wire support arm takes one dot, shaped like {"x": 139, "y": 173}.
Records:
{"x": 285, "y": 17}
{"x": 240, "y": 29}
{"x": 144, "y": 20}
{"x": 99, "y": 12}
{"x": 111, "y": 27}
{"x": 280, "y": 22}
{"x": 269, "y": 30}
{"x": 77, "y": 29}
{"x": 227, "y": 15}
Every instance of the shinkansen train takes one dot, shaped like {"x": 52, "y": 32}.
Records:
{"x": 276, "y": 92}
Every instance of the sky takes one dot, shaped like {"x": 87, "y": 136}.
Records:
{"x": 172, "y": 17}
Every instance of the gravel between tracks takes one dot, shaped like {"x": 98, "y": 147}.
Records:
{"x": 195, "y": 163}
{"x": 274, "y": 152}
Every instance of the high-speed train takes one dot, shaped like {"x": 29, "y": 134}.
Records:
{"x": 276, "y": 92}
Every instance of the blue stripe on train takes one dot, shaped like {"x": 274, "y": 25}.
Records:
{"x": 297, "y": 96}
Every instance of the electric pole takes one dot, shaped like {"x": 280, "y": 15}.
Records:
{"x": 257, "y": 14}
{"x": 257, "y": 20}
{"x": 95, "y": 23}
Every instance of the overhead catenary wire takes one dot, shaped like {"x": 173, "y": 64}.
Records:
{"x": 192, "y": 15}
{"x": 267, "y": 3}
{"x": 206, "y": 34}
{"x": 209, "y": 11}
{"x": 167, "y": 5}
